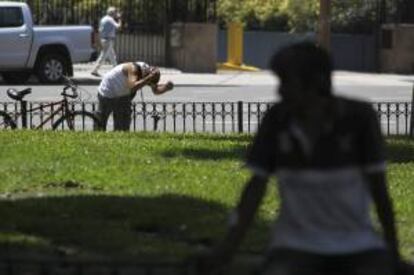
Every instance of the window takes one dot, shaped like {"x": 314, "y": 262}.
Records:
{"x": 11, "y": 17}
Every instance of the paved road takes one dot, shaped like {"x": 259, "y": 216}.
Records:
{"x": 372, "y": 93}
{"x": 244, "y": 87}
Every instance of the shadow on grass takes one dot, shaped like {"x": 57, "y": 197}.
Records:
{"x": 237, "y": 152}
{"x": 400, "y": 150}
{"x": 246, "y": 138}
{"x": 242, "y": 138}
{"x": 110, "y": 227}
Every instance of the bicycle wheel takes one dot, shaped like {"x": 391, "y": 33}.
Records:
{"x": 6, "y": 122}
{"x": 78, "y": 121}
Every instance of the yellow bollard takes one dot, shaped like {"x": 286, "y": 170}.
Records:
{"x": 235, "y": 49}
{"x": 235, "y": 44}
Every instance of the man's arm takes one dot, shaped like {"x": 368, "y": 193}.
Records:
{"x": 135, "y": 84}
{"x": 384, "y": 208}
{"x": 117, "y": 22}
{"x": 240, "y": 221}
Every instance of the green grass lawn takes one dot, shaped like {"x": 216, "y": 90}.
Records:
{"x": 142, "y": 195}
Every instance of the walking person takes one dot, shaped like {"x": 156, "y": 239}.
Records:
{"x": 118, "y": 88}
{"x": 107, "y": 32}
{"x": 327, "y": 154}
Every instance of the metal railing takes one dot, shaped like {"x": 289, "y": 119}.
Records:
{"x": 146, "y": 23}
{"x": 396, "y": 117}
{"x": 215, "y": 117}
{"x": 147, "y": 13}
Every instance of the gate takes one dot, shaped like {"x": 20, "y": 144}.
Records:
{"x": 146, "y": 23}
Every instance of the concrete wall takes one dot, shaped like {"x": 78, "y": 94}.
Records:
{"x": 194, "y": 47}
{"x": 350, "y": 52}
{"x": 354, "y": 52}
{"x": 197, "y": 47}
{"x": 397, "y": 49}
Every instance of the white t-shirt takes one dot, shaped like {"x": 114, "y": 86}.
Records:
{"x": 114, "y": 83}
{"x": 107, "y": 27}
{"x": 325, "y": 212}
{"x": 325, "y": 198}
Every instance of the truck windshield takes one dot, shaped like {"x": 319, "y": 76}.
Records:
{"x": 11, "y": 17}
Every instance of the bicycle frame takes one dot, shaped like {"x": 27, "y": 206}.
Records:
{"x": 63, "y": 109}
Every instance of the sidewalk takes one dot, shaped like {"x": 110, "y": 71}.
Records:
{"x": 240, "y": 78}
{"x": 221, "y": 78}
{"x": 229, "y": 78}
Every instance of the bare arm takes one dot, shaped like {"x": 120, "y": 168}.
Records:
{"x": 133, "y": 83}
{"x": 119, "y": 24}
{"x": 117, "y": 21}
{"x": 243, "y": 216}
{"x": 385, "y": 212}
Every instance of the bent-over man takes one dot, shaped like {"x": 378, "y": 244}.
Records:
{"x": 119, "y": 86}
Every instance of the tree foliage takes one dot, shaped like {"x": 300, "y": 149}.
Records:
{"x": 298, "y": 15}
{"x": 281, "y": 15}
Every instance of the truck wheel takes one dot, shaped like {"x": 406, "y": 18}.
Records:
{"x": 51, "y": 68}
{"x": 15, "y": 77}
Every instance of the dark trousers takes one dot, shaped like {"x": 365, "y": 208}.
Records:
{"x": 120, "y": 107}
{"x": 293, "y": 262}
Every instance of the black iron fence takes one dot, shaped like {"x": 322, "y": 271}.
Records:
{"x": 146, "y": 23}
{"x": 215, "y": 117}
{"x": 150, "y": 13}
{"x": 396, "y": 118}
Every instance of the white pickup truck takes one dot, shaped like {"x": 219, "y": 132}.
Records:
{"x": 47, "y": 51}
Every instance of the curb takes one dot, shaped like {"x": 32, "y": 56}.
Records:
{"x": 87, "y": 67}
{"x": 33, "y": 81}
{"x": 222, "y": 78}
{"x": 85, "y": 80}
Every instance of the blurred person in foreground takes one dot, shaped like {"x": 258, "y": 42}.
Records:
{"x": 119, "y": 87}
{"x": 327, "y": 154}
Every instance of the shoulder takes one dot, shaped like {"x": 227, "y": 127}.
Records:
{"x": 275, "y": 118}
{"x": 355, "y": 114}
{"x": 353, "y": 103}
{"x": 276, "y": 113}
{"x": 108, "y": 20}
{"x": 128, "y": 68}
{"x": 354, "y": 107}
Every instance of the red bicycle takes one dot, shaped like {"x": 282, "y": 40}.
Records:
{"x": 62, "y": 116}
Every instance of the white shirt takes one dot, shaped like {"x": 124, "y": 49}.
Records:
{"x": 114, "y": 83}
{"x": 107, "y": 27}
{"x": 325, "y": 212}
{"x": 325, "y": 198}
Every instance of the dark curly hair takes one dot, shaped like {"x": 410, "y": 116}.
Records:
{"x": 309, "y": 63}
{"x": 139, "y": 70}
{"x": 157, "y": 77}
